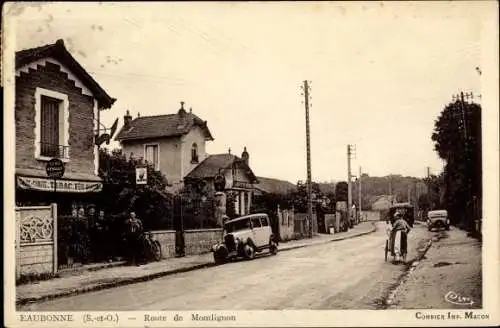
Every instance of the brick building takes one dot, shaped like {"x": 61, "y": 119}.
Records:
{"x": 57, "y": 105}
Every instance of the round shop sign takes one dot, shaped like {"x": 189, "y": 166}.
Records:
{"x": 55, "y": 168}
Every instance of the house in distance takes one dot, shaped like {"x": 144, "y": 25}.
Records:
{"x": 173, "y": 144}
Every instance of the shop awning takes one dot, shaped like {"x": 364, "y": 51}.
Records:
{"x": 71, "y": 182}
{"x": 44, "y": 184}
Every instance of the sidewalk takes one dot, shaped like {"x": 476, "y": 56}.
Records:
{"x": 87, "y": 281}
{"x": 452, "y": 266}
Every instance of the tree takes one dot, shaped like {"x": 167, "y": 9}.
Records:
{"x": 457, "y": 140}
{"x": 299, "y": 197}
{"x": 120, "y": 193}
{"x": 341, "y": 191}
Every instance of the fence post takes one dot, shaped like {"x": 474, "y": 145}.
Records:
{"x": 54, "y": 234}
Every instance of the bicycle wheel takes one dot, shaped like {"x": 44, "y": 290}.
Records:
{"x": 386, "y": 249}
{"x": 156, "y": 250}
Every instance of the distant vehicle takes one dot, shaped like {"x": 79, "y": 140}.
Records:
{"x": 438, "y": 219}
{"x": 244, "y": 237}
{"x": 406, "y": 209}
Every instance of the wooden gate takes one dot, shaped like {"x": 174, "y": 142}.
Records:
{"x": 36, "y": 236}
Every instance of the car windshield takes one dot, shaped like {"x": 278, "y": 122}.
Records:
{"x": 438, "y": 214}
{"x": 237, "y": 225}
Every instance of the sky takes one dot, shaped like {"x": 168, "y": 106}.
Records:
{"x": 380, "y": 73}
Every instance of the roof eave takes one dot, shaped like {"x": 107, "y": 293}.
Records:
{"x": 125, "y": 138}
{"x": 59, "y": 51}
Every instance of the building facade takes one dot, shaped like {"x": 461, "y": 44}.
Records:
{"x": 174, "y": 144}
{"x": 57, "y": 105}
{"x": 239, "y": 178}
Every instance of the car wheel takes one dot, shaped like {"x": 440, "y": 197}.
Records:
{"x": 220, "y": 256}
{"x": 273, "y": 248}
{"x": 249, "y": 252}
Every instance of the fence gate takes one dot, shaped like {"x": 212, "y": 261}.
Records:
{"x": 36, "y": 240}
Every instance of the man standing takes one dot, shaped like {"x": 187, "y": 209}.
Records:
{"x": 134, "y": 234}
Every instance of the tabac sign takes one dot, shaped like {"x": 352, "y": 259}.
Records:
{"x": 42, "y": 184}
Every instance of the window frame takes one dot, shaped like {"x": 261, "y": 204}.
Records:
{"x": 63, "y": 122}
{"x": 194, "y": 147}
{"x": 257, "y": 219}
{"x": 156, "y": 165}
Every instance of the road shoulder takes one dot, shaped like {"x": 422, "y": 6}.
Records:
{"x": 452, "y": 267}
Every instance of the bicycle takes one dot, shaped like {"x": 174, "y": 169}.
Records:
{"x": 152, "y": 248}
{"x": 403, "y": 235}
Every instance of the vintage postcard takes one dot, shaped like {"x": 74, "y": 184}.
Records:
{"x": 251, "y": 164}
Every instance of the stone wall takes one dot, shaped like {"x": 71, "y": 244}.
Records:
{"x": 301, "y": 225}
{"x": 200, "y": 241}
{"x": 286, "y": 224}
{"x": 35, "y": 235}
{"x": 197, "y": 241}
{"x": 36, "y": 259}
{"x": 167, "y": 242}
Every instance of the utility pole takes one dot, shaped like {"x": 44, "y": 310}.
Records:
{"x": 390, "y": 189}
{"x": 429, "y": 188}
{"x": 308, "y": 147}
{"x": 350, "y": 152}
{"x": 359, "y": 192}
{"x": 417, "y": 211}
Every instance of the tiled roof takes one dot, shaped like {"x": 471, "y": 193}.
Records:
{"x": 170, "y": 125}
{"x": 58, "y": 51}
{"x": 209, "y": 168}
{"x": 275, "y": 186}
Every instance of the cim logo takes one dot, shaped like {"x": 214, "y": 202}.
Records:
{"x": 454, "y": 298}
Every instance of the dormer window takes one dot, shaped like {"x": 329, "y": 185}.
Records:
{"x": 194, "y": 153}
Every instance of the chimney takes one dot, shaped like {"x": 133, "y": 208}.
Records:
{"x": 126, "y": 120}
{"x": 181, "y": 111}
{"x": 245, "y": 156}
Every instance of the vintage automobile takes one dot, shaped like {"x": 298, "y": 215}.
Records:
{"x": 438, "y": 219}
{"x": 244, "y": 237}
{"x": 406, "y": 209}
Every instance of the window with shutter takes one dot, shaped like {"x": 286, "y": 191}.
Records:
{"x": 194, "y": 153}
{"x": 50, "y": 145}
{"x": 51, "y": 125}
{"x": 152, "y": 156}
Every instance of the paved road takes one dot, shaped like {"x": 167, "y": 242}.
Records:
{"x": 348, "y": 274}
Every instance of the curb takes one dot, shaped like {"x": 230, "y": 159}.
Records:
{"x": 129, "y": 281}
{"x": 111, "y": 284}
{"x": 72, "y": 272}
